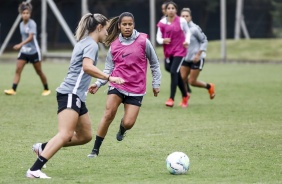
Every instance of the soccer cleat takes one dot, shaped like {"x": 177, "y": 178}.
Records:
{"x": 46, "y": 92}
{"x": 211, "y": 91}
{"x": 93, "y": 154}
{"x": 169, "y": 102}
{"x": 120, "y": 136}
{"x": 37, "y": 149}
{"x": 36, "y": 174}
{"x": 184, "y": 102}
{"x": 10, "y": 92}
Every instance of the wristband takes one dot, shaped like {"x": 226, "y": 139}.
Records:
{"x": 109, "y": 78}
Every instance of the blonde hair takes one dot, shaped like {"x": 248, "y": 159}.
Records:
{"x": 88, "y": 23}
{"x": 25, "y": 6}
{"x": 113, "y": 30}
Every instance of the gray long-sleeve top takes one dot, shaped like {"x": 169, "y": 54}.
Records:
{"x": 198, "y": 42}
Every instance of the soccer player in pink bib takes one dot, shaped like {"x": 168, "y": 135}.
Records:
{"x": 128, "y": 58}
{"x": 174, "y": 34}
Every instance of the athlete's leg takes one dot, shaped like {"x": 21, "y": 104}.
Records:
{"x": 185, "y": 71}
{"x": 193, "y": 79}
{"x": 67, "y": 123}
{"x": 19, "y": 69}
{"x": 83, "y": 132}
{"x": 175, "y": 74}
{"x": 38, "y": 69}
{"x": 130, "y": 116}
{"x": 112, "y": 104}
{"x": 128, "y": 120}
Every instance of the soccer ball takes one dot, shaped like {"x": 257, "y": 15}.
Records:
{"x": 177, "y": 163}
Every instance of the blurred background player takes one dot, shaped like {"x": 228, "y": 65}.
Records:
{"x": 195, "y": 58}
{"x": 29, "y": 50}
{"x": 74, "y": 125}
{"x": 173, "y": 33}
{"x": 127, "y": 57}
{"x": 163, "y": 9}
{"x": 166, "y": 68}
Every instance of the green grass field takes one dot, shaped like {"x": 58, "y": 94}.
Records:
{"x": 235, "y": 138}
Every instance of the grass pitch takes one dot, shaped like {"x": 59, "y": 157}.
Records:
{"x": 235, "y": 138}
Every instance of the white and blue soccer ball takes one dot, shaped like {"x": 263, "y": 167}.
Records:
{"x": 177, "y": 163}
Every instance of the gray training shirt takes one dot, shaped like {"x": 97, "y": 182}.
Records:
{"x": 198, "y": 42}
{"x": 76, "y": 81}
{"x": 32, "y": 46}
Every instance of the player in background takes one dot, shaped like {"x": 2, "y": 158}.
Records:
{"x": 29, "y": 50}
{"x": 195, "y": 58}
{"x": 74, "y": 125}
{"x": 127, "y": 57}
{"x": 163, "y": 9}
{"x": 165, "y": 63}
{"x": 173, "y": 33}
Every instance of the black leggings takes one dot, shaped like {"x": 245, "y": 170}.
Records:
{"x": 173, "y": 65}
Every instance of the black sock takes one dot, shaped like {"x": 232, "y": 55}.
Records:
{"x": 188, "y": 88}
{"x": 208, "y": 86}
{"x": 38, "y": 163}
{"x": 43, "y": 145}
{"x": 98, "y": 143}
{"x": 121, "y": 128}
{"x": 14, "y": 87}
{"x": 46, "y": 87}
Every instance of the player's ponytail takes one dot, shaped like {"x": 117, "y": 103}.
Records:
{"x": 88, "y": 23}
{"x": 113, "y": 29}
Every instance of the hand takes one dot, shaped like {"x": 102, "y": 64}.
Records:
{"x": 166, "y": 40}
{"x": 196, "y": 58}
{"x": 93, "y": 89}
{"x": 156, "y": 91}
{"x": 116, "y": 80}
{"x": 185, "y": 44}
{"x": 17, "y": 47}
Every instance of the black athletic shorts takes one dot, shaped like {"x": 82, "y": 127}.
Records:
{"x": 71, "y": 101}
{"x": 33, "y": 58}
{"x": 133, "y": 100}
{"x": 194, "y": 66}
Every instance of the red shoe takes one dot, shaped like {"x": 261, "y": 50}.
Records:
{"x": 184, "y": 103}
{"x": 211, "y": 91}
{"x": 169, "y": 103}
{"x": 188, "y": 96}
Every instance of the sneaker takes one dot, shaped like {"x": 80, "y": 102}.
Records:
{"x": 211, "y": 91}
{"x": 37, "y": 149}
{"x": 184, "y": 102}
{"x": 46, "y": 92}
{"x": 93, "y": 154}
{"x": 36, "y": 174}
{"x": 188, "y": 95}
{"x": 169, "y": 103}
{"x": 10, "y": 92}
{"x": 120, "y": 136}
